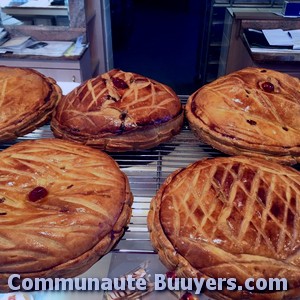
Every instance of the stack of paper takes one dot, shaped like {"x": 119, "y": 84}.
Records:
{"x": 27, "y": 46}
{"x": 279, "y": 37}
{"x": 16, "y": 43}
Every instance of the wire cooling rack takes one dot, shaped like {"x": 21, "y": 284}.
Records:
{"x": 146, "y": 171}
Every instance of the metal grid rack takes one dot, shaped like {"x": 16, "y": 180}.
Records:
{"x": 146, "y": 171}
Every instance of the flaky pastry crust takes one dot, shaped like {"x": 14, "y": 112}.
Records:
{"x": 230, "y": 217}
{"x": 26, "y": 101}
{"x": 253, "y": 112}
{"x": 79, "y": 219}
{"x": 119, "y": 111}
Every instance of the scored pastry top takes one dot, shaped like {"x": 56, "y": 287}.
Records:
{"x": 26, "y": 100}
{"x": 116, "y": 102}
{"x": 250, "y": 111}
{"x": 61, "y": 204}
{"x": 232, "y": 217}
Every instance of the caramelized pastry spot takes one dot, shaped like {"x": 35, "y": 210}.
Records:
{"x": 187, "y": 296}
{"x": 198, "y": 213}
{"x": 247, "y": 178}
{"x": 293, "y": 202}
{"x": 69, "y": 186}
{"x": 122, "y": 127}
{"x": 2, "y": 199}
{"x": 263, "y": 71}
{"x": 268, "y": 87}
{"x": 277, "y": 209}
{"x": 64, "y": 209}
{"x": 119, "y": 83}
{"x": 219, "y": 176}
{"x": 251, "y": 122}
{"x": 262, "y": 195}
{"x": 123, "y": 115}
{"x": 227, "y": 184}
{"x": 290, "y": 218}
{"x": 240, "y": 198}
{"x": 75, "y": 129}
{"x": 37, "y": 193}
{"x": 285, "y": 128}
{"x": 171, "y": 274}
{"x": 235, "y": 168}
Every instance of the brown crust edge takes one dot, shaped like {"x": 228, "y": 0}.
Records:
{"x": 139, "y": 139}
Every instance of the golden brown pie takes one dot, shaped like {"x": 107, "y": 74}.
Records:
{"x": 62, "y": 206}
{"x": 119, "y": 111}
{"x": 234, "y": 217}
{"x": 26, "y": 101}
{"x": 250, "y": 112}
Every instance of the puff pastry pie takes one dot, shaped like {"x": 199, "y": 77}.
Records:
{"x": 62, "y": 206}
{"x": 234, "y": 217}
{"x": 26, "y": 101}
{"x": 119, "y": 111}
{"x": 253, "y": 112}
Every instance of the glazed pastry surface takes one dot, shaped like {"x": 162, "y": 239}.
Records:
{"x": 253, "y": 112}
{"x": 230, "y": 217}
{"x": 62, "y": 206}
{"x": 27, "y": 99}
{"x": 119, "y": 111}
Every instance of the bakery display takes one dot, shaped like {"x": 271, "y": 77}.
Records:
{"x": 234, "y": 217}
{"x": 119, "y": 111}
{"x": 62, "y": 206}
{"x": 26, "y": 102}
{"x": 252, "y": 112}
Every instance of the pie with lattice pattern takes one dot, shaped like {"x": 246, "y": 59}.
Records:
{"x": 119, "y": 111}
{"x": 62, "y": 206}
{"x": 233, "y": 217}
{"x": 253, "y": 112}
{"x": 27, "y": 99}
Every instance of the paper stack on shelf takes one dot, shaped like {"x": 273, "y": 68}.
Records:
{"x": 48, "y": 48}
{"x": 25, "y": 45}
{"x": 279, "y": 37}
{"x": 16, "y": 44}
{"x": 295, "y": 35}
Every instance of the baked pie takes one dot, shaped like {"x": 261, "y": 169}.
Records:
{"x": 26, "y": 101}
{"x": 253, "y": 112}
{"x": 233, "y": 217}
{"x": 62, "y": 206}
{"x": 119, "y": 111}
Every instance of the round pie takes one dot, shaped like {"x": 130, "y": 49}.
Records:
{"x": 62, "y": 206}
{"x": 253, "y": 112}
{"x": 26, "y": 101}
{"x": 119, "y": 111}
{"x": 234, "y": 217}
